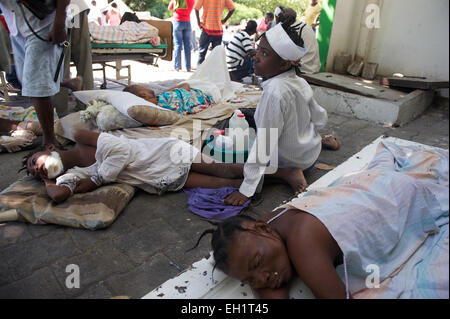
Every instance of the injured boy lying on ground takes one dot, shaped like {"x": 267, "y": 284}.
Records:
{"x": 393, "y": 215}
{"x": 156, "y": 165}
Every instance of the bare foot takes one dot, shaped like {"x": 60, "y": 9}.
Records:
{"x": 75, "y": 84}
{"x": 330, "y": 142}
{"x": 294, "y": 177}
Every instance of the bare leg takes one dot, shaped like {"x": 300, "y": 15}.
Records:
{"x": 75, "y": 84}
{"x": 206, "y": 181}
{"x": 208, "y": 166}
{"x": 44, "y": 111}
{"x": 86, "y": 137}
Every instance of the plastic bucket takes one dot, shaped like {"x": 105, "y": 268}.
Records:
{"x": 226, "y": 156}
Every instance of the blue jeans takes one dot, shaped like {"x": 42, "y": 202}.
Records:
{"x": 182, "y": 36}
{"x": 204, "y": 42}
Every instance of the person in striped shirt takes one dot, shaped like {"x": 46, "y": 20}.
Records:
{"x": 211, "y": 24}
{"x": 240, "y": 52}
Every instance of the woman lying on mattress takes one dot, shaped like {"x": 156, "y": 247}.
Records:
{"x": 379, "y": 216}
{"x": 156, "y": 165}
{"x": 182, "y": 98}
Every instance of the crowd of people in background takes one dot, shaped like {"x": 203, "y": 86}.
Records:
{"x": 109, "y": 15}
{"x": 241, "y": 46}
{"x": 240, "y": 43}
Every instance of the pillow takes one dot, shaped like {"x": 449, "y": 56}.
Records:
{"x": 132, "y": 106}
{"x": 106, "y": 116}
{"x": 93, "y": 210}
{"x": 67, "y": 126}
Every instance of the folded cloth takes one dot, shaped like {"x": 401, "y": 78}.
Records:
{"x": 208, "y": 203}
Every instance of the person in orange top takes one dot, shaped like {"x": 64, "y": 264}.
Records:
{"x": 211, "y": 24}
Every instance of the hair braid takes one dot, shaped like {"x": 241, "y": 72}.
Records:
{"x": 221, "y": 237}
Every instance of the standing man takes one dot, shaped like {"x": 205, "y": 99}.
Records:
{"x": 312, "y": 14}
{"x": 36, "y": 56}
{"x": 211, "y": 24}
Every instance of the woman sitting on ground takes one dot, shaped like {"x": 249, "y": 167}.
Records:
{"x": 156, "y": 165}
{"x": 287, "y": 117}
{"x": 182, "y": 98}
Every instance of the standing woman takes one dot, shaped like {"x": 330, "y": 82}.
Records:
{"x": 182, "y": 30}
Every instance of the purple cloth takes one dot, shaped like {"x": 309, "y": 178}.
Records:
{"x": 208, "y": 203}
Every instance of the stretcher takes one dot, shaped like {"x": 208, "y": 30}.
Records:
{"x": 107, "y": 53}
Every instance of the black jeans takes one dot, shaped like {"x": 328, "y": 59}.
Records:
{"x": 204, "y": 42}
{"x": 243, "y": 70}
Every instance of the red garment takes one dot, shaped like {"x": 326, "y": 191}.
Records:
{"x": 262, "y": 25}
{"x": 2, "y": 20}
{"x": 182, "y": 14}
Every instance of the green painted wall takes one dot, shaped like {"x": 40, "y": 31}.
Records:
{"x": 324, "y": 32}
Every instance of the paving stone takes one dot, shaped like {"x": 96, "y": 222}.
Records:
{"x": 40, "y": 285}
{"x": 42, "y": 230}
{"x": 98, "y": 291}
{"x": 94, "y": 267}
{"x": 24, "y": 258}
{"x": 142, "y": 279}
{"x": 5, "y": 274}
{"x": 145, "y": 207}
{"x": 12, "y": 233}
{"x": 86, "y": 239}
{"x": 146, "y": 241}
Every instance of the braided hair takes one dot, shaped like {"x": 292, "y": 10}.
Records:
{"x": 293, "y": 33}
{"x": 221, "y": 237}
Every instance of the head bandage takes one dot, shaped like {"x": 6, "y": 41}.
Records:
{"x": 283, "y": 45}
{"x": 54, "y": 166}
{"x": 277, "y": 11}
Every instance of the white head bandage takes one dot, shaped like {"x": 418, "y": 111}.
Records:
{"x": 283, "y": 45}
{"x": 277, "y": 11}
{"x": 54, "y": 166}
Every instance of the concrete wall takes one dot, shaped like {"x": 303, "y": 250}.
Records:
{"x": 412, "y": 38}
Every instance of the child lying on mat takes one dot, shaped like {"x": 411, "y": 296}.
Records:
{"x": 182, "y": 98}
{"x": 379, "y": 216}
{"x": 156, "y": 165}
